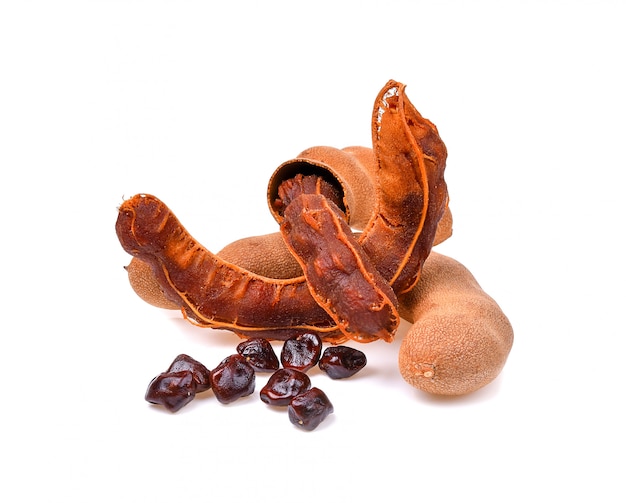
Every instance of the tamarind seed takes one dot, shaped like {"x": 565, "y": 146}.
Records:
{"x": 340, "y": 362}
{"x": 198, "y": 370}
{"x": 301, "y": 352}
{"x": 307, "y": 410}
{"x": 233, "y": 378}
{"x": 172, "y": 390}
{"x": 259, "y": 353}
{"x": 283, "y": 385}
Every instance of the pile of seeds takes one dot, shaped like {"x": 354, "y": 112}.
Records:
{"x": 235, "y": 377}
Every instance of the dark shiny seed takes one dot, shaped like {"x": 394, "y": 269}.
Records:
{"x": 301, "y": 352}
{"x": 199, "y": 371}
{"x": 340, "y": 362}
{"x": 309, "y": 409}
{"x": 283, "y": 385}
{"x": 233, "y": 378}
{"x": 260, "y": 354}
{"x": 172, "y": 390}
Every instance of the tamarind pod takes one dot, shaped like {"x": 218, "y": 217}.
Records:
{"x": 460, "y": 339}
{"x": 411, "y": 191}
{"x": 339, "y": 275}
{"x": 211, "y": 292}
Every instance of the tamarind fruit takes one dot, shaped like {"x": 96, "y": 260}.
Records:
{"x": 411, "y": 198}
{"x": 460, "y": 339}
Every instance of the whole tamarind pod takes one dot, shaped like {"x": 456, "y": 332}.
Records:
{"x": 460, "y": 338}
{"x": 210, "y": 291}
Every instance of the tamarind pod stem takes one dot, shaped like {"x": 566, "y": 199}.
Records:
{"x": 339, "y": 275}
{"x": 412, "y": 193}
{"x": 210, "y": 291}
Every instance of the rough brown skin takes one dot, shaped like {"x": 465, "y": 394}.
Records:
{"x": 460, "y": 338}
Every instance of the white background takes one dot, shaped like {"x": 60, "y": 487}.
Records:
{"x": 197, "y": 103}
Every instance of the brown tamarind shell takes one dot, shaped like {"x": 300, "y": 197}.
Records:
{"x": 351, "y": 170}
